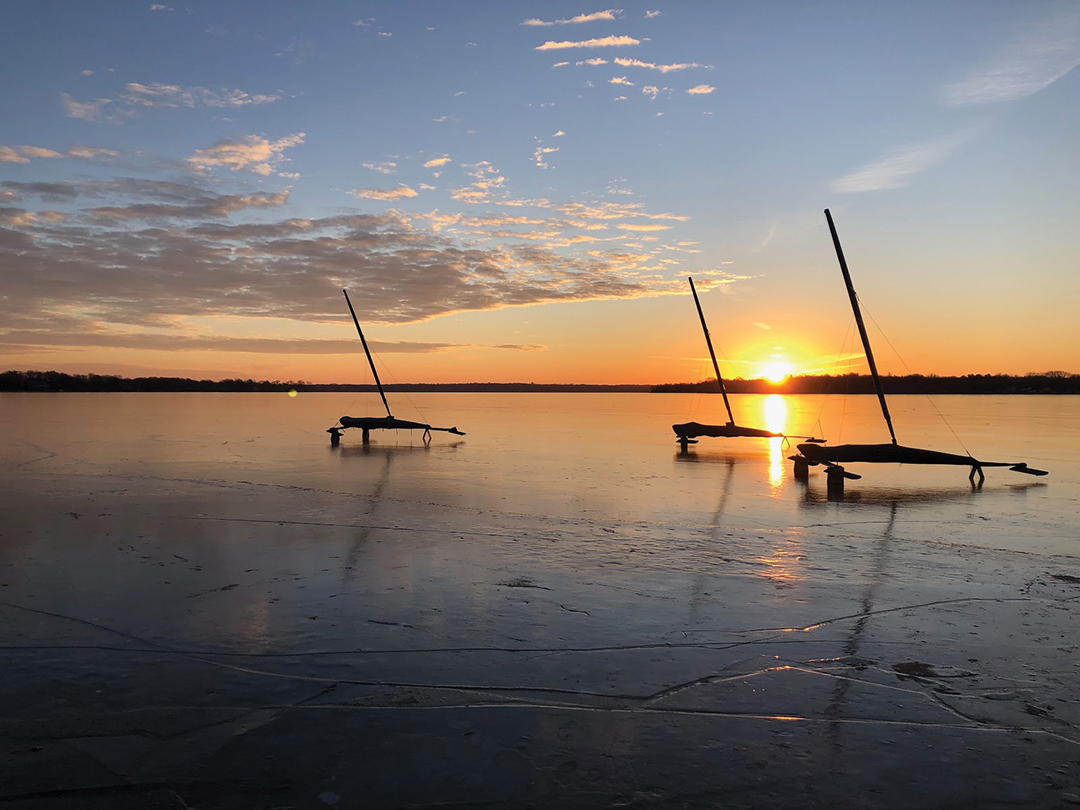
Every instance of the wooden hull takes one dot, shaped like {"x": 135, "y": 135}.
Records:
{"x": 691, "y": 430}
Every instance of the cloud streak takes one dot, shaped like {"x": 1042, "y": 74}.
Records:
{"x": 896, "y": 167}
{"x": 609, "y": 15}
{"x": 381, "y": 166}
{"x": 137, "y": 95}
{"x": 603, "y": 42}
{"x": 156, "y": 94}
{"x": 671, "y": 68}
{"x": 24, "y": 154}
{"x": 399, "y": 193}
{"x": 178, "y": 342}
{"x": 1043, "y": 54}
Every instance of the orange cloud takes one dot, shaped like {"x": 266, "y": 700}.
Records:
{"x": 378, "y": 194}
{"x": 604, "y": 42}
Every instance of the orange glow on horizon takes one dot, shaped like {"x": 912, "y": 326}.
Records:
{"x": 776, "y": 371}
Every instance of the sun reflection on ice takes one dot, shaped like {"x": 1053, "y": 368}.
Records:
{"x": 776, "y": 414}
{"x": 782, "y": 565}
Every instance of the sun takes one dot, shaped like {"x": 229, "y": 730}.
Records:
{"x": 776, "y": 372}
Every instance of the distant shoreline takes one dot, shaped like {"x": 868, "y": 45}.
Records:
{"x": 1054, "y": 382}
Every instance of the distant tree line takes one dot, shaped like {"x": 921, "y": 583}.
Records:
{"x": 49, "y": 381}
{"x": 1046, "y": 382}
{"x": 58, "y": 381}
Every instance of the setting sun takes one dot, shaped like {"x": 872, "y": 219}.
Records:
{"x": 776, "y": 372}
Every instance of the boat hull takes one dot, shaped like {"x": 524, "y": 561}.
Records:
{"x": 381, "y": 423}
{"x": 885, "y": 454}
{"x": 391, "y": 423}
{"x": 691, "y": 430}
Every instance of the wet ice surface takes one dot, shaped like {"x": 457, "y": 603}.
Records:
{"x": 202, "y": 603}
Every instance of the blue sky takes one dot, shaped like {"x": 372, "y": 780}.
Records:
{"x": 517, "y": 191}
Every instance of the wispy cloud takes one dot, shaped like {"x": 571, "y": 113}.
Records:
{"x": 16, "y": 218}
{"x": 435, "y": 163}
{"x": 769, "y": 237}
{"x": 85, "y": 110}
{"x": 625, "y": 62}
{"x": 160, "y": 7}
{"x": 142, "y": 199}
{"x": 157, "y": 94}
{"x": 401, "y": 192}
{"x": 630, "y": 226}
{"x": 298, "y": 50}
{"x": 649, "y": 15}
{"x": 897, "y": 166}
{"x": 174, "y": 341}
{"x": 701, "y": 89}
{"x": 610, "y": 15}
{"x": 483, "y": 172}
{"x": 1043, "y": 54}
{"x": 253, "y": 152}
{"x": 594, "y": 60}
{"x": 603, "y": 42}
{"x": 613, "y": 210}
{"x": 682, "y": 247}
{"x": 211, "y": 206}
{"x": 382, "y": 166}
{"x": 620, "y": 80}
{"x": 24, "y": 154}
{"x": 540, "y": 152}
{"x": 714, "y": 279}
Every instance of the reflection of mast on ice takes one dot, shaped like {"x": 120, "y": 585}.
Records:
{"x": 369, "y": 423}
{"x": 699, "y": 584}
{"x": 365, "y": 531}
{"x": 852, "y": 645}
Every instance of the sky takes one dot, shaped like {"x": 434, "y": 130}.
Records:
{"x": 518, "y": 192}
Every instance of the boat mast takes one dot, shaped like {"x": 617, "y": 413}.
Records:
{"x": 862, "y": 327}
{"x": 371, "y": 362}
{"x": 712, "y": 354}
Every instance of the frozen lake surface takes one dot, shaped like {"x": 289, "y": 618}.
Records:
{"x": 205, "y": 604}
